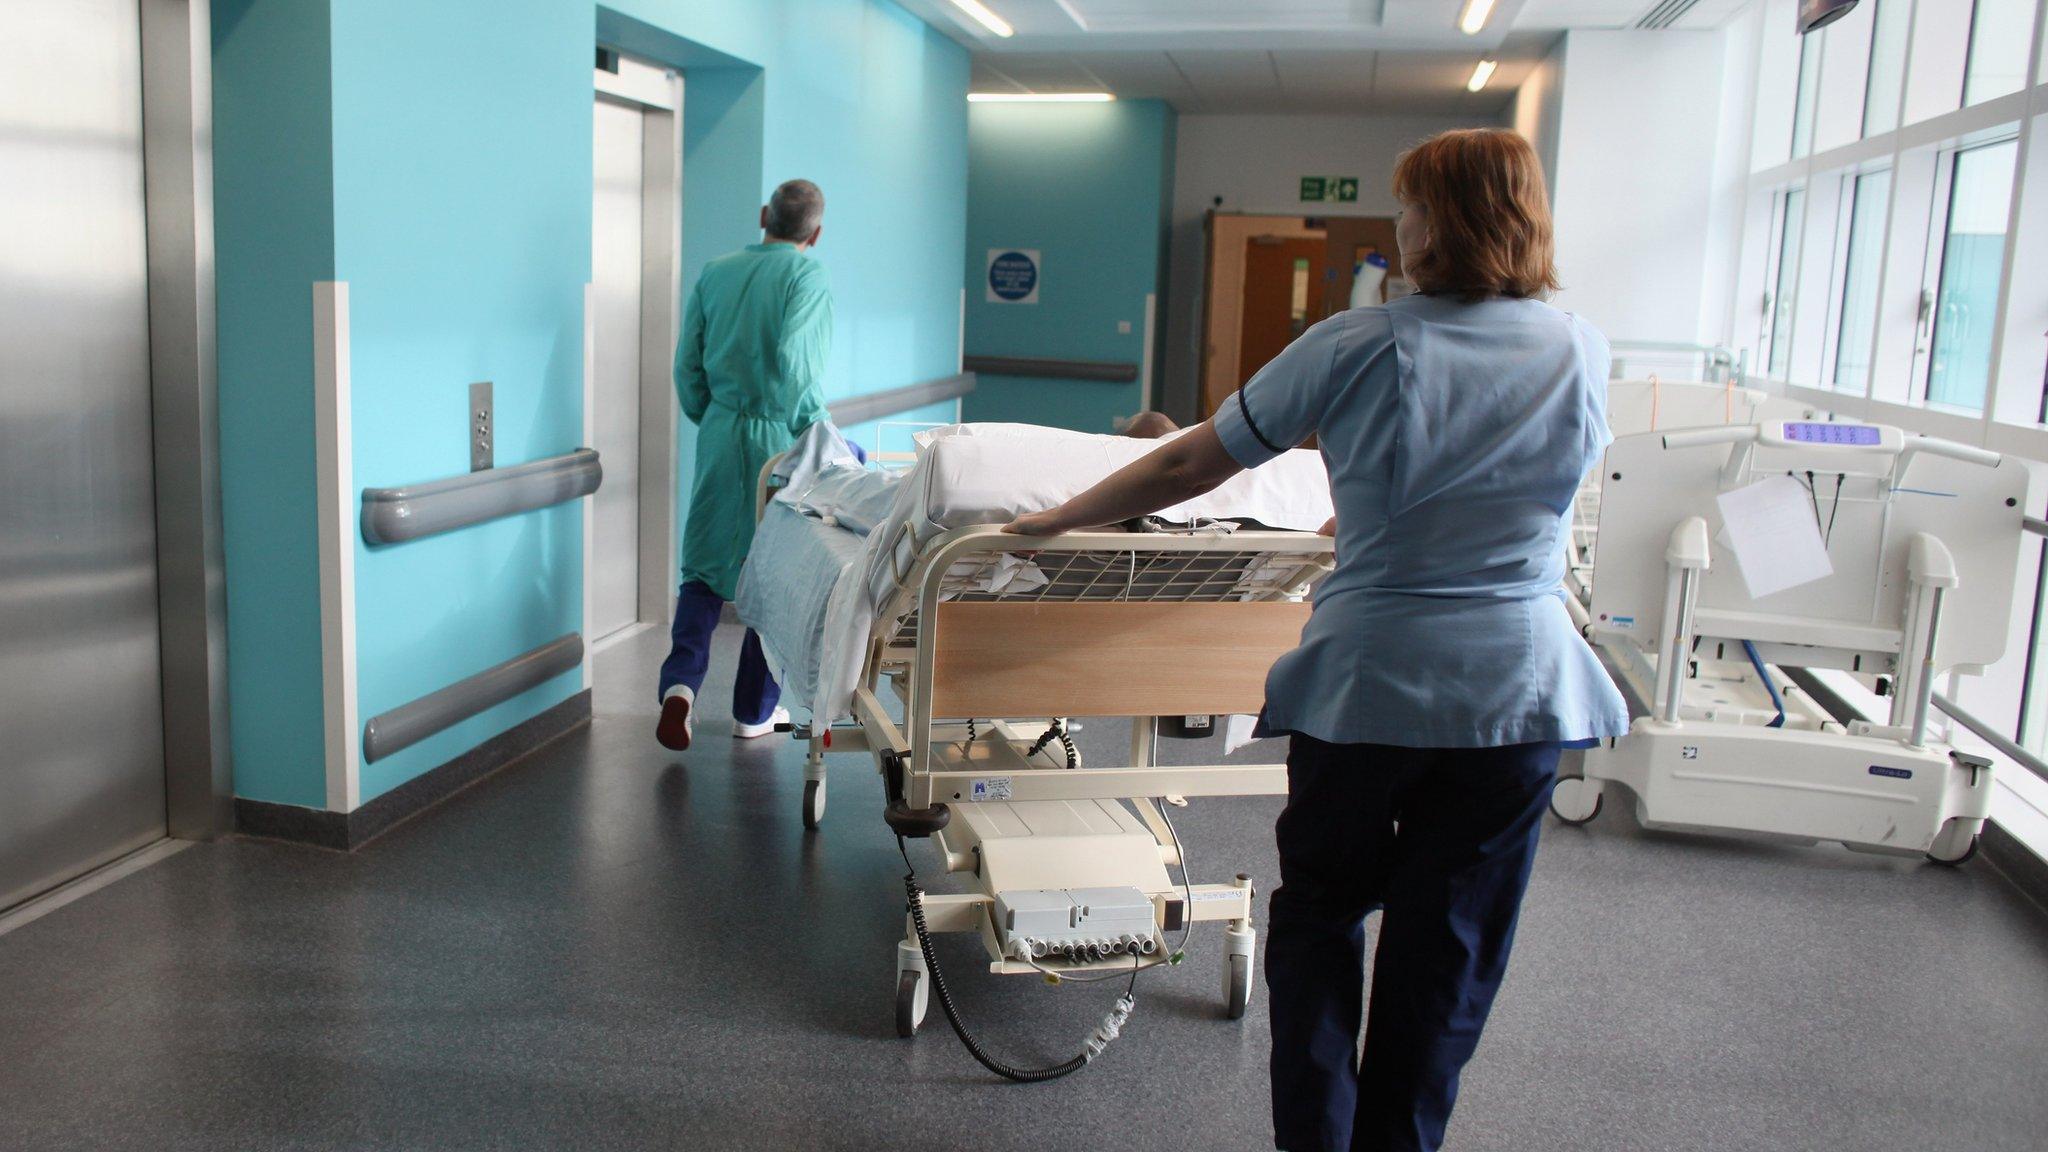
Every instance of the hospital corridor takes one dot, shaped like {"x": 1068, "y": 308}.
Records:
{"x": 1004, "y": 574}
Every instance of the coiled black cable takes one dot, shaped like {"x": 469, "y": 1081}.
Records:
{"x": 1057, "y": 731}
{"x": 914, "y": 898}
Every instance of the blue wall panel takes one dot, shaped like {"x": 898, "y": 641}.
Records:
{"x": 1089, "y": 187}
{"x": 462, "y": 144}
{"x": 437, "y": 157}
{"x": 273, "y": 209}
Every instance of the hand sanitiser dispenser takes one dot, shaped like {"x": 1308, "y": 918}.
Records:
{"x": 1369, "y": 279}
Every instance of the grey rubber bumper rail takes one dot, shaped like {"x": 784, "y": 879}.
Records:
{"x": 395, "y": 515}
{"x": 410, "y": 723}
{"x": 1107, "y": 371}
{"x": 875, "y": 405}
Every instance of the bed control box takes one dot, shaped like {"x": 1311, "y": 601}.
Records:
{"x": 1073, "y": 923}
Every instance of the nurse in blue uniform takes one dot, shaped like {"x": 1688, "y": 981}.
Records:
{"x": 1439, "y": 675}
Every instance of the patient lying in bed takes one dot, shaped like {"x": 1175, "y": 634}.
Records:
{"x": 837, "y": 539}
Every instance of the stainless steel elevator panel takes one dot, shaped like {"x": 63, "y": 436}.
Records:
{"x": 615, "y": 249}
{"x": 81, "y": 725}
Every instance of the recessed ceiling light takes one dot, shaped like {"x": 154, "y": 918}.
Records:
{"x": 1477, "y": 12}
{"x": 1040, "y": 97}
{"x": 1001, "y": 27}
{"x": 1481, "y": 75}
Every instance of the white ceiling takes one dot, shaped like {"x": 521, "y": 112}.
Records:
{"x": 1359, "y": 56}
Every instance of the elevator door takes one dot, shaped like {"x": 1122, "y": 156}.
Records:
{"x": 81, "y": 724}
{"x": 615, "y": 261}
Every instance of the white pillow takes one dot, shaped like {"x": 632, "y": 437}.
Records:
{"x": 1000, "y": 432}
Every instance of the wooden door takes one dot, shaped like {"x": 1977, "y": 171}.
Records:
{"x": 1350, "y": 237}
{"x": 1283, "y": 280}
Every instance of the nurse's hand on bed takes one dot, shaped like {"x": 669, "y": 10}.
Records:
{"x": 1329, "y": 528}
{"x": 1036, "y": 524}
{"x": 1179, "y": 469}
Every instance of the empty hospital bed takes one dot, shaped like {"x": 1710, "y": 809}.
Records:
{"x": 952, "y": 654}
{"x": 1921, "y": 539}
{"x": 1651, "y": 405}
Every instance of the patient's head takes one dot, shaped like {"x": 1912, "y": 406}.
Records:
{"x": 1150, "y": 426}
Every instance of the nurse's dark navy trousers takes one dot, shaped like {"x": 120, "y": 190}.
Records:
{"x": 1440, "y": 842}
{"x": 754, "y": 692}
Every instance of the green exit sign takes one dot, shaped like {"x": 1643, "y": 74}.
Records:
{"x": 1322, "y": 189}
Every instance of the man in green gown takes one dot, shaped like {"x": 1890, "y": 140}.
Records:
{"x": 749, "y": 370}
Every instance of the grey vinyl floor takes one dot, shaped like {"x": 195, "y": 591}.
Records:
{"x": 611, "y": 946}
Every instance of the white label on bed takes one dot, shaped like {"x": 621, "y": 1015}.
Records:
{"x": 990, "y": 788}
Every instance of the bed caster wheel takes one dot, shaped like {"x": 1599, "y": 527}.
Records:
{"x": 1955, "y": 845}
{"x": 1574, "y": 801}
{"x": 909, "y": 1010}
{"x": 814, "y": 803}
{"x": 913, "y": 989}
{"x": 1237, "y": 986}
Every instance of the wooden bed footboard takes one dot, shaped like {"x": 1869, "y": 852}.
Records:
{"x": 1108, "y": 659}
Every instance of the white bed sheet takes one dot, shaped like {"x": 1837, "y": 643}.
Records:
{"x": 815, "y": 601}
{"x": 786, "y": 598}
{"x": 965, "y": 480}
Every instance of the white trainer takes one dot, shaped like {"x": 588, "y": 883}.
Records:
{"x": 751, "y": 731}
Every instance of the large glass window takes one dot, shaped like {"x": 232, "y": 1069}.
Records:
{"x": 1792, "y": 221}
{"x": 1808, "y": 94}
{"x": 2001, "y": 37}
{"x": 1972, "y": 259}
{"x": 1859, "y": 280}
{"x": 1887, "y": 66}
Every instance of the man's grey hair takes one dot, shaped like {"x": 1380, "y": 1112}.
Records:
{"x": 795, "y": 211}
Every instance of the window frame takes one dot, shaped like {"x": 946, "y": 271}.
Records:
{"x": 1934, "y": 268}
{"x": 1851, "y": 194}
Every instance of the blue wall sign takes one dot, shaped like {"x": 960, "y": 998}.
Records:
{"x": 1013, "y": 275}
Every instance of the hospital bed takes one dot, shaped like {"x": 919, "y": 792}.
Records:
{"x": 974, "y": 648}
{"x": 1648, "y": 405}
{"x": 1922, "y": 538}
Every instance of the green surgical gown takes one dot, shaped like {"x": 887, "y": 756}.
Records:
{"x": 749, "y": 371}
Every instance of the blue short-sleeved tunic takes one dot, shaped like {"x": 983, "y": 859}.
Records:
{"x": 1456, "y": 434}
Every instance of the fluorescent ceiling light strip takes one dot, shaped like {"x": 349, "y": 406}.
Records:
{"x": 1477, "y": 13}
{"x": 1481, "y": 75}
{"x": 1040, "y": 97}
{"x": 1001, "y": 27}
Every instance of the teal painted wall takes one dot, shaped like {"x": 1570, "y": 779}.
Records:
{"x": 273, "y": 211}
{"x": 437, "y": 158}
{"x": 1090, "y": 187}
{"x": 462, "y": 227}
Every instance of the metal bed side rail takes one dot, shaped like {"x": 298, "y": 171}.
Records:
{"x": 939, "y": 554}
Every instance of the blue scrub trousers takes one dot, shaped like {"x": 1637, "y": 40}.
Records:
{"x": 754, "y": 692}
{"x": 1440, "y": 841}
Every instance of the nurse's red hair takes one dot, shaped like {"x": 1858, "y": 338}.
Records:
{"x": 1488, "y": 215}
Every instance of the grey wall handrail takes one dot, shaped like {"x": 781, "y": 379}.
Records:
{"x": 410, "y": 723}
{"x": 875, "y": 405}
{"x": 1991, "y": 736}
{"x": 393, "y": 515}
{"x": 1107, "y": 371}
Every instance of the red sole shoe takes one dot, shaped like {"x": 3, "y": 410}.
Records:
{"x": 674, "y": 729}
